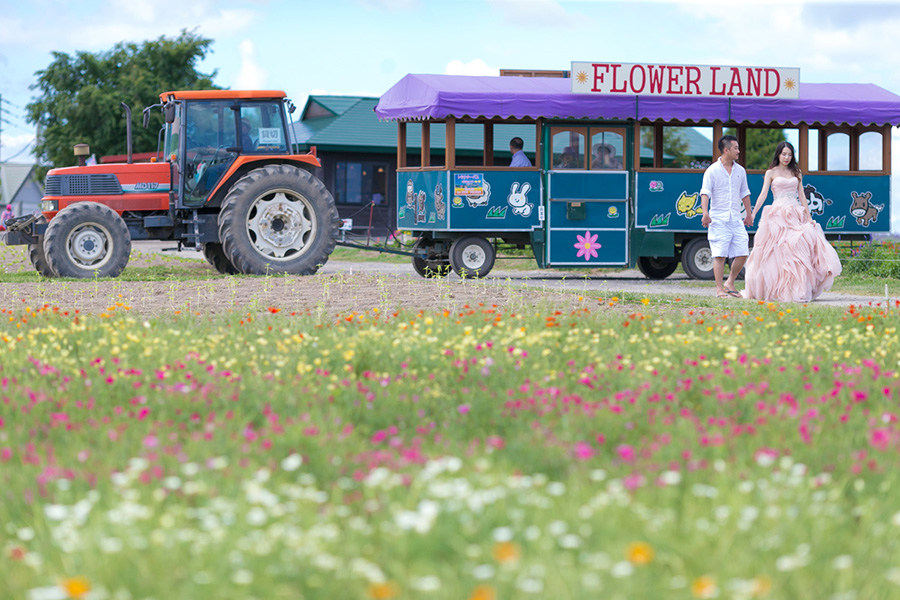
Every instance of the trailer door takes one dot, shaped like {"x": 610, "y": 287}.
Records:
{"x": 588, "y": 191}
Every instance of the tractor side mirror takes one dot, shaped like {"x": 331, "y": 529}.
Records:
{"x": 169, "y": 110}
{"x": 146, "y": 117}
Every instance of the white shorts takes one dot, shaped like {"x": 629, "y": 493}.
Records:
{"x": 728, "y": 239}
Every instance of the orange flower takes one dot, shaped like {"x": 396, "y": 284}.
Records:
{"x": 704, "y": 587}
{"x": 506, "y": 552}
{"x": 762, "y": 585}
{"x": 483, "y": 592}
{"x": 76, "y": 587}
{"x": 382, "y": 591}
{"x": 639, "y": 553}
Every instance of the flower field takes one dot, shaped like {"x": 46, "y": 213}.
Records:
{"x": 641, "y": 450}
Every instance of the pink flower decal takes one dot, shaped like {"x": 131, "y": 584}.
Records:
{"x": 587, "y": 245}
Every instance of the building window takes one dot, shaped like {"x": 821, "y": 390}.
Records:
{"x": 361, "y": 182}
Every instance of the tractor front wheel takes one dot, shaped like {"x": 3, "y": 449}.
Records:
{"x": 215, "y": 256}
{"x": 278, "y": 219}
{"x": 87, "y": 240}
{"x": 36, "y": 253}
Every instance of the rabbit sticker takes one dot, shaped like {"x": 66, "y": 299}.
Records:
{"x": 519, "y": 200}
{"x": 439, "y": 203}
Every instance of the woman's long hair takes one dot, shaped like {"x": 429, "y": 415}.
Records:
{"x": 792, "y": 166}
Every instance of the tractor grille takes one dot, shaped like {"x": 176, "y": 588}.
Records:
{"x": 82, "y": 185}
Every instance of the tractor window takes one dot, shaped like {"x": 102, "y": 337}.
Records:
{"x": 262, "y": 128}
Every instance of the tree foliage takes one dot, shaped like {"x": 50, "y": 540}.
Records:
{"x": 81, "y": 95}
{"x": 760, "y": 146}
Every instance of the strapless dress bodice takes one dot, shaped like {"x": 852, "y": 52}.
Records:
{"x": 785, "y": 187}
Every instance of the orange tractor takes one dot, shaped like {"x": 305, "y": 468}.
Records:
{"x": 227, "y": 183}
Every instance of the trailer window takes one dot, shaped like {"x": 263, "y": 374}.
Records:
{"x": 870, "y": 151}
{"x": 568, "y": 147}
{"x": 812, "y": 152}
{"x": 607, "y": 149}
{"x": 760, "y": 144}
{"x": 838, "y": 151}
{"x": 687, "y": 147}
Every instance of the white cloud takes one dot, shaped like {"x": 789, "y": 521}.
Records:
{"x": 251, "y": 76}
{"x": 473, "y": 67}
{"x": 17, "y": 148}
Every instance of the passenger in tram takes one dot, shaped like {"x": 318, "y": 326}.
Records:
{"x": 605, "y": 157}
{"x": 519, "y": 158}
{"x": 569, "y": 159}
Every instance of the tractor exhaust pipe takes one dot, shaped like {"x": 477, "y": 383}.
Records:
{"x": 128, "y": 130}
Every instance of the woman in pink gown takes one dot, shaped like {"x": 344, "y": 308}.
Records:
{"x": 791, "y": 260}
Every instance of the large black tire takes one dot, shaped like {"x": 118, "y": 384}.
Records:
{"x": 36, "y": 253}
{"x": 278, "y": 219}
{"x": 697, "y": 260}
{"x": 434, "y": 266}
{"x": 87, "y": 240}
{"x": 215, "y": 256}
{"x": 655, "y": 267}
{"x": 472, "y": 256}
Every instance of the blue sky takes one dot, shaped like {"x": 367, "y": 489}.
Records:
{"x": 362, "y": 47}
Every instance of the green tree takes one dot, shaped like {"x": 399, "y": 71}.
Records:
{"x": 81, "y": 95}
{"x": 760, "y": 146}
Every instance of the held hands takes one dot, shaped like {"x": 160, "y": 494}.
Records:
{"x": 748, "y": 220}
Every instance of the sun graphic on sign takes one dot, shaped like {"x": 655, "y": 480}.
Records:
{"x": 789, "y": 84}
{"x": 581, "y": 77}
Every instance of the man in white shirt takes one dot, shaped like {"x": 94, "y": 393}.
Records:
{"x": 519, "y": 158}
{"x": 723, "y": 192}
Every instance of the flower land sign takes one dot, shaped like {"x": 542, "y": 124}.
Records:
{"x": 645, "y": 79}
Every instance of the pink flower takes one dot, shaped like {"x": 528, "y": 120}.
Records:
{"x": 150, "y": 441}
{"x": 583, "y": 451}
{"x": 587, "y": 245}
{"x": 463, "y": 408}
{"x": 625, "y": 452}
{"x": 880, "y": 438}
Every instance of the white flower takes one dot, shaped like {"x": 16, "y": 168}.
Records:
{"x": 56, "y": 512}
{"x": 242, "y": 577}
{"x": 292, "y": 462}
{"x": 556, "y": 488}
{"x": 26, "y": 534}
{"x": 621, "y": 569}
{"x": 530, "y": 585}
{"x": 483, "y": 572}
{"x": 190, "y": 469}
{"x": 670, "y": 477}
{"x": 841, "y": 562}
{"x": 503, "y": 534}
{"x": 256, "y": 516}
{"x": 428, "y": 583}
{"x": 570, "y": 541}
{"x": 110, "y": 545}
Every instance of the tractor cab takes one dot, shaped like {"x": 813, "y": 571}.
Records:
{"x": 209, "y": 135}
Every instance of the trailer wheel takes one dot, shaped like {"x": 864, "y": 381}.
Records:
{"x": 655, "y": 267}
{"x": 215, "y": 256}
{"x": 434, "y": 265}
{"x": 87, "y": 240}
{"x": 472, "y": 256}
{"x": 36, "y": 253}
{"x": 697, "y": 259}
{"x": 278, "y": 219}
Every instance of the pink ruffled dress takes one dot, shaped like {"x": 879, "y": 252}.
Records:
{"x": 791, "y": 260}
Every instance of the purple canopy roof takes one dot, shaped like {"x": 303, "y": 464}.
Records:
{"x": 418, "y": 97}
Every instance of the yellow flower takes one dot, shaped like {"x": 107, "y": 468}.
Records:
{"x": 506, "y": 552}
{"x": 76, "y": 587}
{"x": 382, "y": 591}
{"x": 704, "y": 587}
{"x": 483, "y": 592}
{"x": 639, "y": 553}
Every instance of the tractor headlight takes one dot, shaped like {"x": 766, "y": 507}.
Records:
{"x": 49, "y": 205}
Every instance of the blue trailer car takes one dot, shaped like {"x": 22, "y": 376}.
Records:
{"x": 616, "y": 179}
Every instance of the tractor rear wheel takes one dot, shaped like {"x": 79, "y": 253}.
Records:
{"x": 278, "y": 219}
{"x": 215, "y": 256}
{"x": 36, "y": 253}
{"x": 87, "y": 240}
